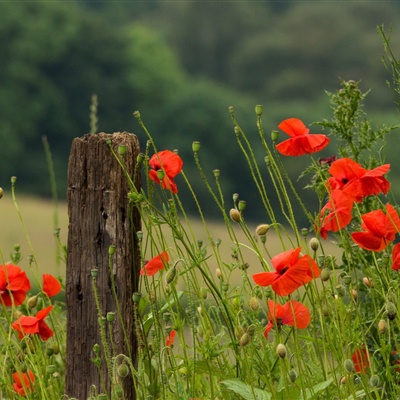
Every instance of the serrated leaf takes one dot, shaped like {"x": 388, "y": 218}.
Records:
{"x": 245, "y": 390}
{"x": 316, "y": 389}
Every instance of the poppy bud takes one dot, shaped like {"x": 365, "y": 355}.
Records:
{"x": 340, "y": 290}
{"x": 123, "y": 371}
{"x": 170, "y": 275}
{"x": 50, "y": 369}
{"x": 281, "y": 350}
{"x": 391, "y": 310}
{"x": 349, "y": 366}
{"x": 119, "y": 391}
{"x": 314, "y": 244}
{"x": 218, "y": 272}
{"x": 368, "y": 282}
{"x": 235, "y": 215}
{"x": 183, "y": 371}
{"x": 1, "y": 192}
{"x": 32, "y": 301}
{"x": 343, "y": 380}
{"x": 254, "y": 303}
{"x": 259, "y": 110}
{"x": 239, "y": 331}
{"x": 292, "y": 375}
{"x": 347, "y": 280}
{"x": 203, "y": 292}
{"x": 325, "y": 274}
{"x": 354, "y": 294}
{"x": 374, "y": 380}
{"x": 251, "y": 330}
{"x": 382, "y": 326}
{"x": 196, "y": 147}
{"x": 245, "y": 339}
{"x": 200, "y": 331}
{"x": 274, "y": 135}
{"x": 262, "y": 229}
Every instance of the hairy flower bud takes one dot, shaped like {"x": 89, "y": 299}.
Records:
{"x": 239, "y": 331}
{"x": 235, "y": 215}
{"x": 292, "y": 375}
{"x": 368, "y": 282}
{"x": 245, "y": 339}
{"x": 170, "y": 275}
{"x": 349, "y": 366}
{"x": 123, "y": 371}
{"x": 391, "y": 311}
{"x": 382, "y": 326}
{"x": 314, "y": 244}
{"x": 374, "y": 380}
{"x": 254, "y": 303}
{"x": 262, "y": 229}
{"x": 281, "y": 350}
{"x": 325, "y": 274}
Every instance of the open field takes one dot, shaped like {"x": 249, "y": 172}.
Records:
{"x": 37, "y": 215}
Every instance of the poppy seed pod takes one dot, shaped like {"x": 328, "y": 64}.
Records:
{"x": 242, "y": 205}
{"x": 259, "y": 109}
{"x": 196, "y": 146}
{"x": 274, "y": 136}
{"x": 281, "y": 350}
{"x": 136, "y": 114}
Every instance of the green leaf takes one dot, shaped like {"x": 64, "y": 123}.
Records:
{"x": 316, "y": 389}
{"x": 245, "y": 390}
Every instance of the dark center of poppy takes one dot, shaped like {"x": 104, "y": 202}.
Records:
{"x": 344, "y": 181}
{"x": 284, "y": 270}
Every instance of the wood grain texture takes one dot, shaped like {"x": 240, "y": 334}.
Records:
{"x": 99, "y": 216}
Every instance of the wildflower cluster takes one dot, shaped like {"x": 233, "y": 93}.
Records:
{"x": 30, "y": 329}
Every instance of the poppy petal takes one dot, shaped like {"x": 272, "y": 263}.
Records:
{"x": 296, "y": 314}
{"x": 51, "y": 285}
{"x": 265, "y": 278}
{"x": 368, "y": 241}
{"x": 155, "y": 264}
{"x": 293, "y": 127}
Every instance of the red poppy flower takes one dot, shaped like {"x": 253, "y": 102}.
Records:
{"x": 349, "y": 176}
{"x": 379, "y": 229}
{"x": 171, "y": 163}
{"x": 360, "y": 360}
{"x": 27, "y": 325}
{"x": 396, "y": 257}
{"x": 23, "y": 382}
{"x": 155, "y": 264}
{"x": 13, "y": 285}
{"x": 169, "y": 341}
{"x": 336, "y": 214}
{"x": 291, "y": 272}
{"x": 51, "y": 285}
{"x": 292, "y": 313}
{"x": 301, "y": 142}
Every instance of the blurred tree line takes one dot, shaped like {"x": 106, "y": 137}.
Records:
{"x": 181, "y": 64}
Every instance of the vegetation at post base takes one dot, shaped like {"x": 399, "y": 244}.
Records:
{"x": 238, "y": 317}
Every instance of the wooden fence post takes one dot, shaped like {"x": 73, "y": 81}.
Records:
{"x": 99, "y": 218}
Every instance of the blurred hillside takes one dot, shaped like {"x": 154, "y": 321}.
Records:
{"x": 181, "y": 64}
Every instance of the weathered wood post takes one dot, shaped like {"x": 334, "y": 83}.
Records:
{"x": 99, "y": 218}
